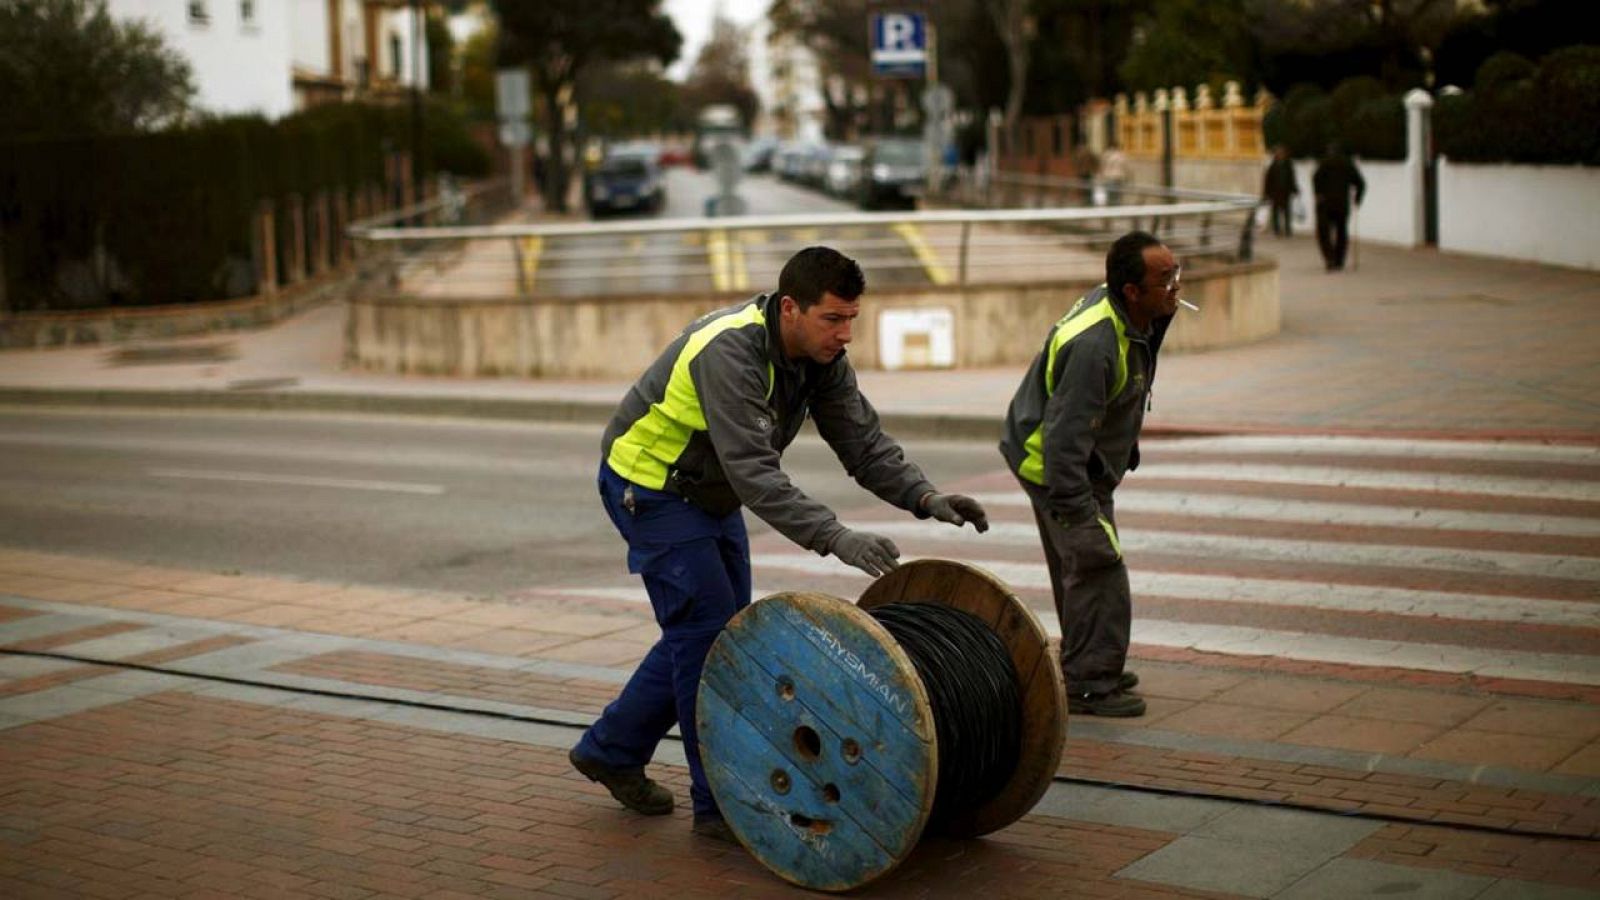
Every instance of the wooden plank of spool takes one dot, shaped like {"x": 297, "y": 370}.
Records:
{"x": 818, "y": 740}
{"x": 1044, "y": 702}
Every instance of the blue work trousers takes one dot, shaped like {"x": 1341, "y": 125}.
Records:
{"x": 696, "y": 569}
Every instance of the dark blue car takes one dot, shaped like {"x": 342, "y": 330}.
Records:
{"x": 626, "y": 182}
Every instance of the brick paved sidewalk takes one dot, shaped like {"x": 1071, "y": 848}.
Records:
{"x": 117, "y": 782}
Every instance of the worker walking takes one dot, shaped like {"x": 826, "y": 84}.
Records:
{"x": 699, "y": 436}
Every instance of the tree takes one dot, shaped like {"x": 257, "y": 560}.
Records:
{"x": 1190, "y": 42}
{"x": 628, "y": 99}
{"x": 1326, "y": 41}
{"x": 478, "y": 55}
{"x": 68, "y": 68}
{"x": 1531, "y": 28}
{"x": 1016, "y": 29}
{"x": 441, "y": 54}
{"x": 835, "y": 31}
{"x": 721, "y": 73}
{"x": 559, "y": 40}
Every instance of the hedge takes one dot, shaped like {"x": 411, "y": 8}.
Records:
{"x": 1517, "y": 111}
{"x": 166, "y": 217}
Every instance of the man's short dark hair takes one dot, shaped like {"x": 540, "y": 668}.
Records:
{"x": 815, "y": 271}
{"x": 1125, "y": 261}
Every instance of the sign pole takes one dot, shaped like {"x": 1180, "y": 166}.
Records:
{"x": 513, "y": 103}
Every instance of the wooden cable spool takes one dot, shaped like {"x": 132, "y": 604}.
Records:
{"x": 818, "y": 739}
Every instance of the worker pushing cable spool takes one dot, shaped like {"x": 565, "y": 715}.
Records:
{"x": 833, "y": 735}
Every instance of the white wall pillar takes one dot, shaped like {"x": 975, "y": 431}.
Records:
{"x": 1419, "y": 106}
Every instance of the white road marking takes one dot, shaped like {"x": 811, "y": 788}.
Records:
{"x": 1241, "y": 641}
{"x": 1215, "y": 546}
{"x": 1494, "y": 663}
{"x": 397, "y": 487}
{"x": 1264, "y": 591}
{"x": 1233, "y": 506}
{"x": 1372, "y": 446}
{"x": 1329, "y": 476}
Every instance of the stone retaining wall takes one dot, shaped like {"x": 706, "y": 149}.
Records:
{"x": 103, "y": 326}
{"x": 616, "y": 337}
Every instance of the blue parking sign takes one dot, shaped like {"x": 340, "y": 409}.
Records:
{"x": 899, "y": 44}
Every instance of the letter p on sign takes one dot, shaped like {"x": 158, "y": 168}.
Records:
{"x": 899, "y": 43}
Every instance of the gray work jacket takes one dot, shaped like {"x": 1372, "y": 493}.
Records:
{"x": 711, "y": 417}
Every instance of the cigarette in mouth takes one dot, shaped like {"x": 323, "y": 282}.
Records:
{"x": 1189, "y": 305}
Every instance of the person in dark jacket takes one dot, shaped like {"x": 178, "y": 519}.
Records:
{"x": 1333, "y": 181}
{"x": 1071, "y": 434}
{"x": 1279, "y": 188}
{"x": 695, "y": 439}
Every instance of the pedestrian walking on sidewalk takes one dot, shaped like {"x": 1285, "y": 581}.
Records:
{"x": 1279, "y": 189}
{"x": 1333, "y": 181}
{"x": 1113, "y": 173}
{"x": 696, "y": 438}
{"x": 1071, "y": 434}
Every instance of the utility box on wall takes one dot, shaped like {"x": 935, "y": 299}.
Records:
{"x": 916, "y": 339}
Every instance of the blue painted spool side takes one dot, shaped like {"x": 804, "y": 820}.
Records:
{"x": 881, "y": 788}
{"x": 845, "y": 679}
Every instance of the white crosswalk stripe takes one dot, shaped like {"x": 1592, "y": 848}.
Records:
{"x": 1263, "y": 591}
{"x": 1389, "y": 447}
{"x": 1434, "y": 591}
{"x": 1235, "y": 506}
{"x": 1244, "y": 547}
{"x": 1331, "y": 476}
{"x": 1287, "y": 644}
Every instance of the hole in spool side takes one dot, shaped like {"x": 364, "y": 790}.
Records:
{"x": 815, "y": 826}
{"x": 807, "y": 742}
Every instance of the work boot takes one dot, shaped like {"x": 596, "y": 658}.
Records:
{"x": 714, "y": 827}
{"x": 1128, "y": 680}
{"x": 630, "y": 786}
{"x": 1113, "y": 704}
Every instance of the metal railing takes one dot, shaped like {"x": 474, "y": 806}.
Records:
{"x": 959, "y": 247}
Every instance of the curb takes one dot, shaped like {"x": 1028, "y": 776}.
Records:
{"x": 279, "y": 401}
{"x": 954, "y": 427}
{"x": 946, "y": 426}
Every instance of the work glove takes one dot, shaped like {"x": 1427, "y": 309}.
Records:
{"x": 873, "y": 554}
{"x": 957, "y": 509}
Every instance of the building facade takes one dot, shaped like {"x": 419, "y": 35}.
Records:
{"x": 789, "y": 82}
{"x": 276, "y": 56}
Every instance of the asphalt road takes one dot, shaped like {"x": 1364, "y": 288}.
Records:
{"x": 734, "y": 259}
{"x": 481, "y": 508}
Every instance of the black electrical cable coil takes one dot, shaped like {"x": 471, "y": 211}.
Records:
{"x": 976, "y": 701}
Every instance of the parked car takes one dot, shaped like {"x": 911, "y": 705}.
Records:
{"x": 814, "y": 167}
{"x": 675, "y": 156}
{"x": 758, "y": 154}
{"x": 627, "y": 179}
{"x": 844, "y": 170}
{"x": 893, "y": 173}
{"x": 786, "y": 162}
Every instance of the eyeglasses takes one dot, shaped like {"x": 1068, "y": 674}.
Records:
{"x": 1171, "y": 284}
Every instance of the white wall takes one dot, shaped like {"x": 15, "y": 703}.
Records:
{"x": 237, "y": 67}
{"x": 401, "y": 23}
{"x": 800, "y": 91}
{"x": 1547, "y": 214}
{"x": 312, "y": 50}
{"x": 1386, "y": 212}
